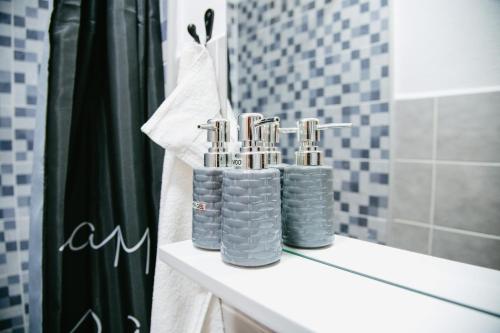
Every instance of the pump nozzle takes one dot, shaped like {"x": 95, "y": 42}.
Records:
{"x": 218, "y": 134}
{"x": 217, "y": 130}
{"x": 334, "y": 125}
{"x": 268, "y": 120}
{"x": 207, "y": 127}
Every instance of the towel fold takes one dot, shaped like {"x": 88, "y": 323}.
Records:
{"x": 179, "y": 305}
{"x": 195, "y": 100}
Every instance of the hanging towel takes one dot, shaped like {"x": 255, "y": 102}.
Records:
{"x": 180, "y": 305}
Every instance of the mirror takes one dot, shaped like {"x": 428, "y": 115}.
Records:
{"x": 420, "y": 168}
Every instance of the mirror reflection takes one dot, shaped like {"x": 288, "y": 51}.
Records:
{"x": 419, "y": 168}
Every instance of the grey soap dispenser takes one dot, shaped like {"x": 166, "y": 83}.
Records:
{"x": 207, "y": 186}
{"x": 269, "y": 132}
{"x": 308, "y": 190}
{"x": 251, "y": 214}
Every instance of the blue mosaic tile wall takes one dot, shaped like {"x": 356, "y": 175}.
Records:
{"x": 327, "y": 59}
{"x": 163, "y": 24}
{"x": 22, "y": 36}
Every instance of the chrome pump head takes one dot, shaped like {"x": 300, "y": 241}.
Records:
{"x": 218, "y": 134}
{"x": 269, "y": 133}
{"x": 308, "y": 133}
{"x": 252, "y": 155}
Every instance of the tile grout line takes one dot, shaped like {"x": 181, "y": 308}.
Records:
{"x": 467, "y": 232}
{"x": 433, "y": 174}
{"x": 449, "y": 229}
{"x": 411, "y": 222}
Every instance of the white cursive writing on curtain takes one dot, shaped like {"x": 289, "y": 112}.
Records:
{"x": 98, "y": 323}
{"x": 120, "y": 242}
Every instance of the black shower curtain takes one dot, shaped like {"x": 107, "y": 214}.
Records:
{"x": 102, "y": 176}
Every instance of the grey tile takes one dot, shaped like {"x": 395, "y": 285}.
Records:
{"x": 469, "y": 249}
{"x": 408, "y": 237}
{"x": 413, "y": 124}
{"x": 468, "y": 197}
{"x": 411, "y": 191}
{"x": 469, "y": 128}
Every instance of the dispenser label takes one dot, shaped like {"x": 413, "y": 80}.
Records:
{"x": 237, "y": 162}
{"x": 199, "y": 205}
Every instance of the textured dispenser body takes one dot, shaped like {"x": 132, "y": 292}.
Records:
{"x": 308, "y": 189}
{"x": 308, "y": 206}
{"x": 251, "y": 217}
{"x": 207, "y": 186}
{"x": 207, "y": 204}
{"x": 281, "y": 167}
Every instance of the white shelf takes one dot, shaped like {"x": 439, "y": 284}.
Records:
{"x": 301, "y": 295}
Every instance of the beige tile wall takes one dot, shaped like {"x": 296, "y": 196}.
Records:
{"x": 445, "y": 184}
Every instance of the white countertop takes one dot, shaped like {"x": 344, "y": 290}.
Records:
{"x": 302, "y": 295}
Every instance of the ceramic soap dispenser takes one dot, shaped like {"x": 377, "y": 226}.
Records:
{"x": 251, "y": 214}
{"x": 207, "y": 186}
{"x": 308, "y": 190}
{"x": 269, "y": 131}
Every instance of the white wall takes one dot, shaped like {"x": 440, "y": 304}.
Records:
{"x": 445, "y": 46}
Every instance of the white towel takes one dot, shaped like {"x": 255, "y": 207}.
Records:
{"x": 179, "y": 305}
